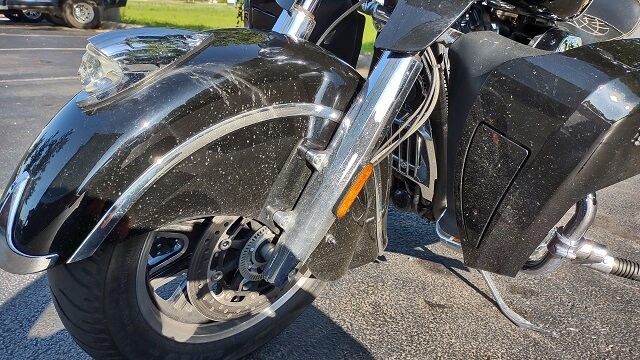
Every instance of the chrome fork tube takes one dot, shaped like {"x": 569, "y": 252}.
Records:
{"x": 299, "y": 20}
{"x": 351, "y": 148}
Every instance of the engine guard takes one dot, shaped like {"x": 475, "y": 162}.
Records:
{"x": 544, "y": 132}
{"x": 207, "y": 137}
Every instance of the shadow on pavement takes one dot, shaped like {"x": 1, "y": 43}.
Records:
{"x": 30, "y": 328}
{"x": 414, "y": 235}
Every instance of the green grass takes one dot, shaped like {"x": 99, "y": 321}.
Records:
{"x": 198, "y": 16}
{"x": 179, "y": 14}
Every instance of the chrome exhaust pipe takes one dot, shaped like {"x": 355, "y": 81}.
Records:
{"x": 570, "y": 235}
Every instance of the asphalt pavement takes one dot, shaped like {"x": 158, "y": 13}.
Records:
{"x": 420, "y": 302}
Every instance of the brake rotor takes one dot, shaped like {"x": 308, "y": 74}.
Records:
{"x": 217, "y": 287}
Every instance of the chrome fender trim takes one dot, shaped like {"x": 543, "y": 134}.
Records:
{"x": 12, "y": 259}
{"x": 164, "y": 164}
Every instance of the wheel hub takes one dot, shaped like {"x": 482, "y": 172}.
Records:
{"x": 224, "y": 277}
{"x": 83, "y": 13}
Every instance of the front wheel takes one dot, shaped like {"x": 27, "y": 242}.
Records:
{"x": 190, "y": 290}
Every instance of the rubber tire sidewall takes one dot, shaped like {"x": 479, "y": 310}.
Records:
{"x": 115, "y": 309}
{"x": 55, "y": 20}
{"x": 67, "y": 14}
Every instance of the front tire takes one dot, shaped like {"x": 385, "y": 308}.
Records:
{"x": 81, "y": 14}
{"x": 108, "y": 306}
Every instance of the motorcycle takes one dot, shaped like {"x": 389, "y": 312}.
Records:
{"x": 200, "y": 191}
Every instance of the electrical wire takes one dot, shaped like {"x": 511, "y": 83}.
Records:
{"x": 339, "y": 19}
{"x": 419, "y": 117}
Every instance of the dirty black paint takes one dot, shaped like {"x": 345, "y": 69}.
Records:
{"x": 86, "y": 159}
{"x": 576, "y": 114}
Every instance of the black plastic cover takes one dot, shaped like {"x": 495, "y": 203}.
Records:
{"x": 416, "y": 24}
{"x": 577, "y": 113}
{"x": 606, "y": 20}
{"x": 498, "y": 159}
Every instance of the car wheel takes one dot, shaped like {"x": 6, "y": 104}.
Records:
{"x": 55, "y": 20}
{"x": 81, "y": 14}
{"x": 30, "y": 16}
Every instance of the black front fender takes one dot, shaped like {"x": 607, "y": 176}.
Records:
{"x": 157, "y": 153}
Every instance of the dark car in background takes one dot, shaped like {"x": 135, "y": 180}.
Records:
{"x": 81, "y": 14}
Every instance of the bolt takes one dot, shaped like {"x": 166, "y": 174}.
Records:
{"x": 293, "y": 273}
{"x": 217, "y": 276}
{"x": 225, "y": 245}
{"x": 330, "y": 239}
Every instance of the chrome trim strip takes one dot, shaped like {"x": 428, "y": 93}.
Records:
{"x": 12, "y": 259}
{"x": 181, "y": 152}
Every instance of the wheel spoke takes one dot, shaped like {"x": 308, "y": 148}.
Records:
{"x": 238, "y": 244}
{"x": 174, "y": 268}
{"x": 230, "y": 266}
{"x": 159, "y": 282}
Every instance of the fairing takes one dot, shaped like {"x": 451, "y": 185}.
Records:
{"x": 544, "y": 132}
{"x": 550, "y": 9}
{"x": 416, "y": 24}
{"x": 84, "y": 161}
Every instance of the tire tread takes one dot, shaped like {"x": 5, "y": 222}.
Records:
{"x": 82, "y": 318}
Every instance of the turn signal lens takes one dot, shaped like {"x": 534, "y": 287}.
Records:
{"x": 116, "y": 61}
{"x": 355, "y": 189}
{"x": 98, "y": 73}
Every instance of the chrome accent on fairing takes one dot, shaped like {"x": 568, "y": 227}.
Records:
{"x": 299, "y": 21}
{"x": 556, "y": 39}
{"x": 415, "y": 159}
{"x": 12, "y": 259}
{"x": 351, "y": 148}
{"x": 162, "y": 165}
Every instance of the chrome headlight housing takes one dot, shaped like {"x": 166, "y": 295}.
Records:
{"x": 117, "y": 60}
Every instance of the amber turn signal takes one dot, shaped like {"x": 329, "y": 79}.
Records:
{"x": 355, "y": 189}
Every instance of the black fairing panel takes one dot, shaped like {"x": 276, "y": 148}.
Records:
{"x": 577, "y": 114}
{"x": 551, "y": 9}
{"x": 416, "y": 24}
{"x": 83, "y": 161}
{"x": 606, "y": 20}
